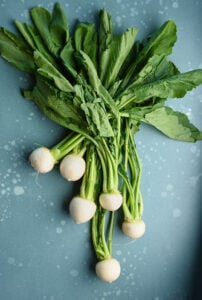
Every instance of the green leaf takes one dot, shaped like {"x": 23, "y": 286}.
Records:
{"x": 86, "y": 40}
{"x": 41, "y": 19}
{"x": 96, "y": 83}
{"x": 113, "y": 50}
{"x": 53, "y": 29}
{"x": 95, "y": 111}
{"x": 58, "y": 106}
{"x": 116, "y": 54}
{"x": 15, "y": 51}
{"x": 89, "y": 68}
{"x": 160, "y": 43}
{"x": 137, "y": 113}
{"x": 68, "y": 59}
{"x": 175, "y": 125}
{"x": 46, "y": 69}
{"x": 97, "y": 119}
{"x": 157, "y": 67}
{"x": 105, "y": 37}
{"x": 34, "y": 40}
{"x": 175, "y": 86}
{"x": 24, "y": 29}
{"x": 59, "y": 29}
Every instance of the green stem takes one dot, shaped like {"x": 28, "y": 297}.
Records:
{"x": 136, "y": 170}
{"x": 109, "y": 166}
{"x": 126, "y": 187}
{"x": 89, "y": 181}
{"x": 102, "y": 234}
{"x": 69, "y": 143}
{"x": 104, "y": 170}
{"x": 110, "y": 233}
{"x": 101, "y": 248}
{"x": 132, "y": 200}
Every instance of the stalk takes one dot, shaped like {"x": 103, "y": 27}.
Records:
{"x": 89, "y": 181}
{"x": 131, "y": 174}
{"x": 101, "y": 234}
{"x": 109, "y": 166}
{"x": 68, "y": 144}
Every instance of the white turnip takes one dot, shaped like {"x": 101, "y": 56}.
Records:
{"x": 134, "y": 229}
{"x": 72, "y": 167}
{"x": 108, "y": 270}
{"x": 42, "y": 160}
{"x": 110, "y": 201}
{"x": 81, "y": 210}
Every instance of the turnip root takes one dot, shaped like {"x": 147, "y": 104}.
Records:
{"x": 110, "y": 201}
{"x": 108, "y": 270}
{"x": 42, "y": 160}
{"x": 72, "y": 167}
{"x": 133, "y": 229}
{"x": 81, "y": 210}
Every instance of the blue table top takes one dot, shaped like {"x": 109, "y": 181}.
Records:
{"x": 43, "y": 254}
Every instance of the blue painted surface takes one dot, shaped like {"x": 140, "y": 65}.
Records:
{"x": 43, "y": 254}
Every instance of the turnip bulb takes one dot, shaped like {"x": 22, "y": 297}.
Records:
{"x": 81, "y": 210}
{"x": 42, "y": 160}
{"x": 108, "y": 270}
{"x": 72, "y": 167}
{"x": 134, "y": 229}
{"x": 110, "y": 201}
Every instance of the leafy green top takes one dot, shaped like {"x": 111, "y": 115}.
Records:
{"x": 89, "y": 80}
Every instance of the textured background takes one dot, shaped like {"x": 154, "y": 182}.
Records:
{"x": 43, "y": 254}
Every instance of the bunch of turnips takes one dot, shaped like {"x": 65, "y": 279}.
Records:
{"x": 100, "y": 86}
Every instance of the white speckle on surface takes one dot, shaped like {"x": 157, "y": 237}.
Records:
{"x": 14, "y": 181}
{"x": 193, "y": 149}
{"x": 163, "y": 194}
{"x": 194, "y": 180}
{"x": 177, "y": 213}
{"x": 3, "y": 192}
{"x": 18, "y": 190}
{"x": 144, "y": 251}
{"x": 63, "y": 222}
{"x": 74, "y": 273}
{"x": 175, "y": 5}
{"x": 59, "y": 230}
{"x": 169, "y": 187}
{"x": 11, "y": 260}
{"x": 20, "y": 264}
{"x": 6, "y": 147}
{"x": 118, "y": 252}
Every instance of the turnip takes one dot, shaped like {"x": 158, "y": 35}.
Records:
{"x": 72, "y": 167}
{"x": 110, "y": 201}
{"x": 108, "y": 270}
{"x": 134, "y": 229}
{"x": 81, "y": 210}
{"x": 110, "y": 198}
{"x": 42, "y": 160}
